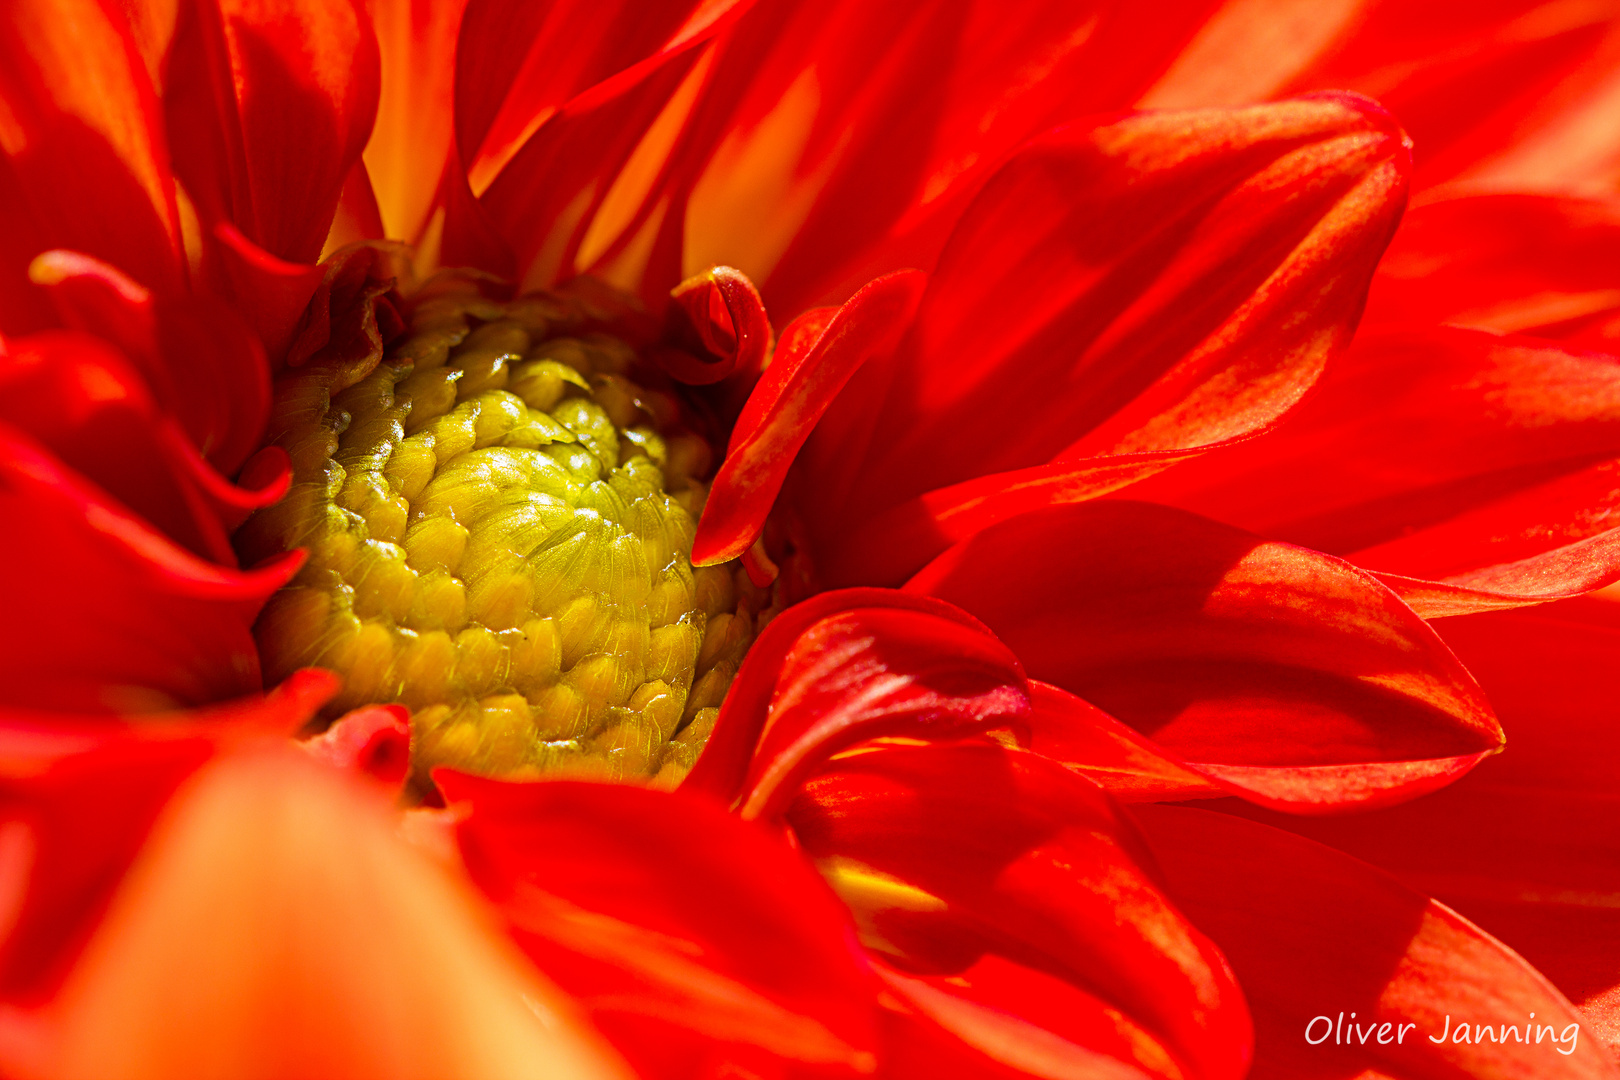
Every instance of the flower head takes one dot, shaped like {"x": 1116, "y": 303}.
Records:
{"x": 1076, "y": 495}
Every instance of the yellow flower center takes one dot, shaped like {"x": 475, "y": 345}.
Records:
{"x": 499, "y": 523}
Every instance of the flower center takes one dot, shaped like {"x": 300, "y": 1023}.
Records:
{"x": 499, "y": 523}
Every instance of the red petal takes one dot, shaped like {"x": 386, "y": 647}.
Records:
{"x": 116, "y": 617}
{"x": 198, "y": 357}
{"x": 669, "y": 918}
{"x": 1527, "y": 845}
{"x": 268, "y": 292}
{"x": 720, "y": 321}
{"x": 722, "y": 768}
{"x": 1470, "y": 471}
{"x": 950, "y": 852}
{"x": 1509, "y": 263}
{"x": 85, "y": 141}
{"x": 1311, "y": 932}
{"x": 804, "y": 377}
{"x": 518, "y": 64}
{"x": 270, "y": 107}
{"x": 1110, "y": 754}
{"x": 1158, "y": 283}
{"x": 551, "y": 101}
{"x": 832, "y": 142}
{"x": 874, "y": 672}
{"x": 1514, "y": 92}
{"x": 1283, "y": 672}
{"x": 86, "y": 404}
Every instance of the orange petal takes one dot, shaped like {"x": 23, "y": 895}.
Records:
{"x": 276, "y": 925}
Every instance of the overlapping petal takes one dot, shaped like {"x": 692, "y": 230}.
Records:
{"x": 1468, "y": 470}
{"x": 84, "y": 163}
{"x": 831, "y": 143}
{"x": 1313, "y": 933}
{"x": 1526, "y": 845}
{"x": 1281, "y": 671}
{"x": 550, "y": 102}
{"x": 844, "y": 667}
{"x": 111, "y": 615}
{"x": 990, "y": 878}
{"x": 819, "y": 353}
{"x": 690, "y": 935}
{"x": 199, "y": 360}
{"x": 1526, "y": 264}
{"x": 268, "y": 109}
{"x": 78, "y": 795}
{"x": 1122, "y": 295}
{"x": 1519, "y": 93}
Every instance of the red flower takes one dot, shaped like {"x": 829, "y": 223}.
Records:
{"x": 1113, "y": 417}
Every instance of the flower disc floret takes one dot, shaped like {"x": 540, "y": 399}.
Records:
{"x": 499, "y": 524}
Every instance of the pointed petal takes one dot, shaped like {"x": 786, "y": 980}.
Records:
{"x": 1311, "y": 932}
{"x": 1283, "y": 672}
{"x": 1468, "y": 470}
{"x": 670, "y": 919}
{"x": 270, "y": 108}
{"x": 1152, "y": 284}
{"x": 84, "y": 142}
{"x": 1527, "y": 845}
{"x": 804, "y": 377}
{"x": 275, "y": 923}
{"x": 949, "y": 853}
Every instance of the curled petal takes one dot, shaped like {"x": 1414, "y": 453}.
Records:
{"x": 270, "y": 293}
{"x": 1311, "y": 932}
{"x": 871, "y": 672}
{"x": 1283, "y": 672}
{"x": 1153, "y": 284}
{"x": 671, "y": 920}
{"x": 374, "y": 741}
{"x": 805, "y": 376}
{"x": 721, "y": 320}
{"x": 198, "y": 357}
{"x": 952, "y": 854}
{"x": 1467, "y": 470}
{"x": 150, "y": 624}
{"x": 844, "y": 667}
